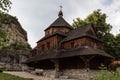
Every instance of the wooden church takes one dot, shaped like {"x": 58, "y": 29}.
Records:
{"x": 63, "y": 47}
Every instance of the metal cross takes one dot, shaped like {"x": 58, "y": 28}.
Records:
{"x": 61, "y": 7}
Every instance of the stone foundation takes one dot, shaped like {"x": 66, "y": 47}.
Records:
{"x": 73, "y": 74}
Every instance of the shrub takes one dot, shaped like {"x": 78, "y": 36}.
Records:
{"x": 104, "y": 74}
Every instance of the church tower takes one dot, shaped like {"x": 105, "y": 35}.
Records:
{"x": 59, "y": 25}
{"x": 56, "y": 32}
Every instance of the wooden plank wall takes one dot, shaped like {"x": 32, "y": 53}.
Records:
{"x": 85, "y": 41}
{"x": 53, "y": 43}
{"x": 52, "y": 30}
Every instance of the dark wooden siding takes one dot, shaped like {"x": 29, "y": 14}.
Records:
{"x": 77, "y": 42}
{"x": 52, "y": 30}
{"x": 48, "y": 44}
{"x": 33, "y": 53}
{"x": 85, "y": 41}
{"x": 91, "y": 31}
{"x": 71, "y": 63}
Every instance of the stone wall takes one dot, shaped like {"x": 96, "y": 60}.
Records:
{"x": 73, "y": 74}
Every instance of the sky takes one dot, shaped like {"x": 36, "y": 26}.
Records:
{"x": 36, "y": 15}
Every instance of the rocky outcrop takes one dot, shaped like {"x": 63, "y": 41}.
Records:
{"x": 17, "y": 34}
{"x": 16, "y": 48}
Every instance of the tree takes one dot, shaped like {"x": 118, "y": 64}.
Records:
{"x": 117, "y": 46}
{"x": 5, "y": 5}
{"x": 78, "y": 23}
{"x": 98, "y": 20}
{"x": 109, "y": 44}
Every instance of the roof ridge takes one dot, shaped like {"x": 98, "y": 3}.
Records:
{"x": 60, "y": 22}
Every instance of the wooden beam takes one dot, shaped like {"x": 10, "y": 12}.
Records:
{"x": 86, "y": 60}
{"x": 57, "y": 67}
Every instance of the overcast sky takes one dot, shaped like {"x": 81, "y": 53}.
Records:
{"x": 36, "y": 15}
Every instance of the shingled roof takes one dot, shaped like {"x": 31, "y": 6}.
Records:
{"x": 60, "y": 22}
{"x": 69, "y": 53}
{"x": 55, "y": 33}
{"x": 79, "y": 32}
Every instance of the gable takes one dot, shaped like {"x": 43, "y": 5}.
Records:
{"x": 91, "y": 31}
{"x": 87, "y": 30}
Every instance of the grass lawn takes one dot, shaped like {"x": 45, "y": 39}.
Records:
{"x": 4, "y": 76}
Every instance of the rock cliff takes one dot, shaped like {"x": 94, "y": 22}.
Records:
{"x": 16, "y": 48}
{"x": 13, "y": 28}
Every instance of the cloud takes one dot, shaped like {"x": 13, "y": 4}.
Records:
{"x": 36, "y": 15}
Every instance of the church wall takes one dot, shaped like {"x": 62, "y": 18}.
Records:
{"x": 74, "y": 43}
{"x": 85, "y": 41}
{"x": 47, "y": 44}
{"x": 52, "y": 30}
{"x": 93, "y": 43}
{"x": 33, "y": 53}
{"x": 65, "y": 30}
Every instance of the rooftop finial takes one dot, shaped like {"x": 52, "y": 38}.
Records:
{"x": 60, "y": 7}
{"x": 60, "y": 12}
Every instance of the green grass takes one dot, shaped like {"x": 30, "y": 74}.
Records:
{"x": 4, "y": 76}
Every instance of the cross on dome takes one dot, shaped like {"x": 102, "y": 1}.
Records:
{"x": 60, "y": 7}
{"x": 60, "y": 12}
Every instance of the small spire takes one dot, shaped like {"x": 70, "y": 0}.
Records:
{"x": 60, "y": 12}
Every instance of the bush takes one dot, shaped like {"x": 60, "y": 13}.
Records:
{"x": 104, "y": 74}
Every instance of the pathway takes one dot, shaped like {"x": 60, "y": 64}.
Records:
{"x": 27, "y": 75}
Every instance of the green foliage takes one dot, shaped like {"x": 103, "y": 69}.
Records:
{"x": 14, "y": 51}
{"x": 20, "y": 46}
{"x": 112, "y": 44}
{"x": 4, "y": 76}
{"x": 102, "y": 67}
{"x": 107, "y": 75}
{"x": 5, "y": 5}
{"x": 78, "y": 23}
{"x": 117, "y": 46}
{"x": 98, "y": 20}
{"x": 109, "y": 45}
{"x": 4, "y": 38}
{"x": 6, "y": 16}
